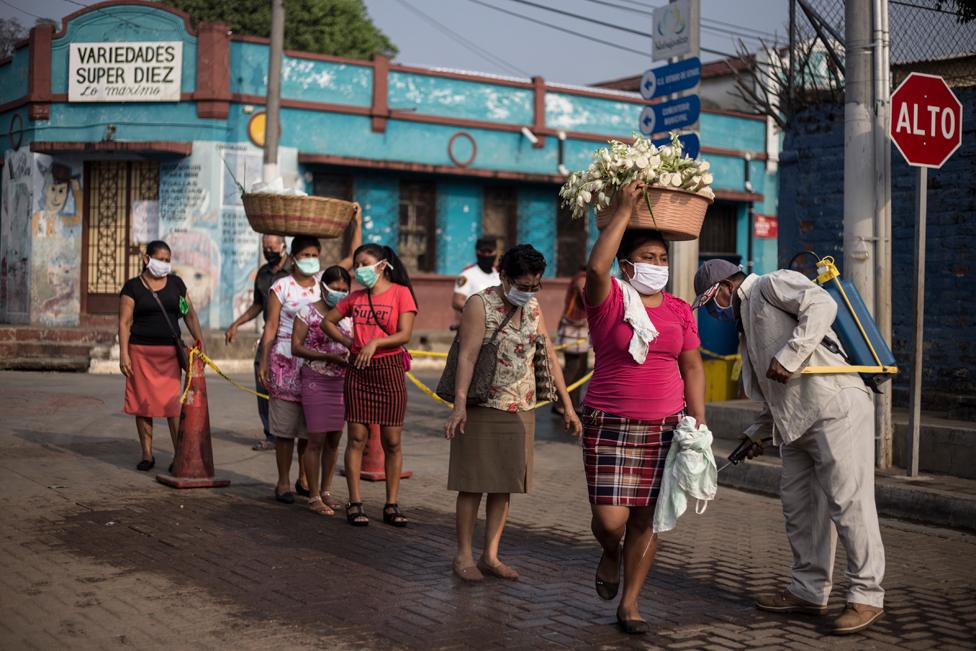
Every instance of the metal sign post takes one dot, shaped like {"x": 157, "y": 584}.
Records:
{"x": 918, "y": 321}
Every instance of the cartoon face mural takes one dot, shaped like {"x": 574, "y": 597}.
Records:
{"x": 196, "y": 260}
{"x": 60, "y": 202}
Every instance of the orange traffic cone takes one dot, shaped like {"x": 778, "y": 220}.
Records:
{"x": 373, "y": 468}
{"x": 194, "y": 466}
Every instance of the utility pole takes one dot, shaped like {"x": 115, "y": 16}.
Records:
{"x": 859, "y": 154}
{"x": 269, "y": 170}
{"x": 882, "y": 216}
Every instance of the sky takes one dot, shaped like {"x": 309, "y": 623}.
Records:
{"x": 469, "y": 35}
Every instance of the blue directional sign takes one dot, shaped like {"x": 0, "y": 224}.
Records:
{"x": 689, "y": 140}
{"x": 672, "y": 78}
{"x": 667, "y": 116}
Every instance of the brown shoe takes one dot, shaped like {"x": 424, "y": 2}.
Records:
{"x": 468, "y": 573}
{"x": 786, "y": 602}
{"x": 856, "y": 618}
{"x": 501, "y": 570}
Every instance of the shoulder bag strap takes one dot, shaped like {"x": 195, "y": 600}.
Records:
{"x": 372, "y": 310}
{"x": 172, "y": 330}
{"x": 826, "y": 342}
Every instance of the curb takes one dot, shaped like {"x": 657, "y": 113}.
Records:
{"x": 894, "y": 499}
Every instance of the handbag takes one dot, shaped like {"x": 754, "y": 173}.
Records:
{"x": 181, "y": 354}
{"x": 483, "y": 374}
{"x": 404, "y": 355}
{"x": 545, "y": 387}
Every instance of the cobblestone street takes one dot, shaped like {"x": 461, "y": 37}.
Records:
{"x": 98, "y": 555}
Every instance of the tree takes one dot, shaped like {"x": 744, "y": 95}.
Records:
{"x": 11, "y": 31}
{"x": 336, "y": 27}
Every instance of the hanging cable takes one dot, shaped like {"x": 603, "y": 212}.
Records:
{"x": 471, "y": 46}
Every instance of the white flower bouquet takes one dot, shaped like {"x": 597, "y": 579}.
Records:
{"x": 677, "y": 188}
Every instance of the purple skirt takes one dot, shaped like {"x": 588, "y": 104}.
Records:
{"x": 322, "y": 401}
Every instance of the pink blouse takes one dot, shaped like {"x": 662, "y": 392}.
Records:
{"x": 622, "y": 387}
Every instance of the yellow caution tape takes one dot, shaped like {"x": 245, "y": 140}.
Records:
{"x": 196, "y": 352}
{"x": 430, "y": 392}
{"x": 724, "y": 358}
{"x": 433, "y": 353}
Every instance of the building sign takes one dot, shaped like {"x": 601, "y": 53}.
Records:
{"x": 767, "y": 227}
{"x": 125, "y": 72}
{"x": 676, "y": 29}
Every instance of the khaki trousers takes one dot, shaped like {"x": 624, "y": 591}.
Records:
{"x": 827, "y": 489}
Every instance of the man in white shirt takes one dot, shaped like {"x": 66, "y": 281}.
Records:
{"x": 824, "y": 426}
{"x": 477, "y": 277}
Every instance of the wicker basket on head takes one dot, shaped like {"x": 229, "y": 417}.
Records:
{"x": 678, "y": 214}
{"x": 276, "y": 214}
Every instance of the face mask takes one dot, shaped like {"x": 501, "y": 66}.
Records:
{"x": 518, "y": 297}
{"x": 308, "y": 266}
{"x": 332, "y": 297}
{"x": 718, "y": 312}
{"x": 158, "y": 268}
{"x": 648, "y": 278}
{"x": 367, "y": 276}
{"x": 486, "y": 263}
{"x": 273, "y": 257}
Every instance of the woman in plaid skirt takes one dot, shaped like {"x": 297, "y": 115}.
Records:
{"x": 648, "y": 374}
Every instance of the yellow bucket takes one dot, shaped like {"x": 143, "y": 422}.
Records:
{"x": 719, "y": 383}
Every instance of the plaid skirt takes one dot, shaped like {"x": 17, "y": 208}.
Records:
{"x": 624, "y": 457}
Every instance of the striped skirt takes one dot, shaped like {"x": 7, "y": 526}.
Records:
{"x": 377, "y": 394}
{"x": 624, "y": 457}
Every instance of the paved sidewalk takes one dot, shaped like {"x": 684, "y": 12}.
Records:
{"x": 97, "y": 555}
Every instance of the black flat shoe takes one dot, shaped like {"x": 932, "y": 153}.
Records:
{"x": 171, "y": 466}
{"x": 285, "y": 498}
{"x": 299, "y": 490}
{"x": 633, "y": 626}
{"x": 145, "y": 465}
{"x": 605, "y": 589}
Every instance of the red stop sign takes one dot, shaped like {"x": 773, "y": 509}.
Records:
{"x": 926, "y": 120}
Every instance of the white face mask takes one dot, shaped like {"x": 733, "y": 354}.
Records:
{"x": 517, "y": 297}
{"x": 159, "y": 268}
{"x": 648, "y": 278}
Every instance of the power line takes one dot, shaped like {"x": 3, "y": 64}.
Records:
{"x": 715, "y": 25}
{"x": 471, "y": 46}
{"x": 562, "y": 29}
{"x": 23, "y": 11}
{"x": 606, "y": 24}
{"x": 713, "y": 21}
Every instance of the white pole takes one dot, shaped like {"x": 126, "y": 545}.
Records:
{"x": 918, "y": 299}
{"x": 882, "y": 217}
{"x": 269, "y": 170}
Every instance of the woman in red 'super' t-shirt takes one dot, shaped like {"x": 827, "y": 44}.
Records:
{"x": 648, "y": 375}
{"x": 375, "y": 390}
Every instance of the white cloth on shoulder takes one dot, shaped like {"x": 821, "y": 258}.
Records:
{"x": 635, "y": 314}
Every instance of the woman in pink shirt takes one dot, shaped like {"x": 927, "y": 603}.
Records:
{"x": 648, "y": 374}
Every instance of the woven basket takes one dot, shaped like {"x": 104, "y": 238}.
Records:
{"x": 678, "y": 214}
{"x": 276, "y": 214}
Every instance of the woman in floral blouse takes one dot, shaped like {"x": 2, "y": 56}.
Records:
{"x": 491, "y": 442}
{"x": 322, "y": 375}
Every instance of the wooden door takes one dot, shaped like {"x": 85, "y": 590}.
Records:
{"x": 110, "y": 253}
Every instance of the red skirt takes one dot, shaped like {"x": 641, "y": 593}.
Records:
{"x": 377, "y": 394}
{"x": 153, "y": 389}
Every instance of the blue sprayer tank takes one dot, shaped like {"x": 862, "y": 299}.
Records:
{"x": 850, "y": 334}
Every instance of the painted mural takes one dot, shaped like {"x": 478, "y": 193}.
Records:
{"x": 15, "y": 219}
{"x": 56, "y": 246}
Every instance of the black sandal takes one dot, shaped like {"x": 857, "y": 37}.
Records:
{"x": 146, "y": 464}
{"x": 393, "y": 516}
{"x": 356, "y": 515}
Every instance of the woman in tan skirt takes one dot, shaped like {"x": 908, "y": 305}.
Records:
{"x": 491, "y": 442}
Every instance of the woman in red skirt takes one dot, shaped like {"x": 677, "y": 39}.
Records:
{"x": 375, "y": 390}
{"x": 147, "y": 345}
{"x": 648, "y": 374}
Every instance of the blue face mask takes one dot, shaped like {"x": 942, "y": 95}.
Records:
{"x": 720, "y": 313}
{"x": 332, "y": 297}
{"x": 367, "y": 276}
{"x": 308, "y": 266}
